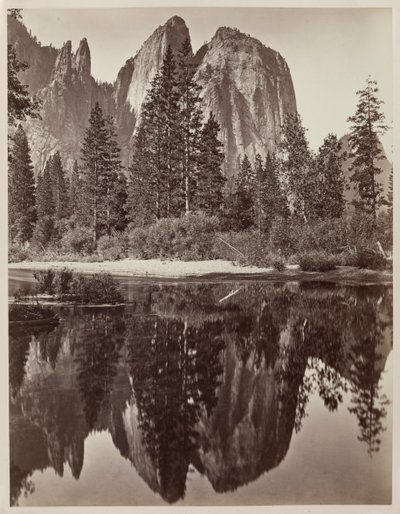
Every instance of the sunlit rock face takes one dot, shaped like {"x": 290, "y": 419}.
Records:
{"x": 135, "y": 76}
{"x": 247, "y": 85}
{"x": 249, "y": 88}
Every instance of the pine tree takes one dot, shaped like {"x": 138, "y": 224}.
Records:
{"x": 210, "y": 179}
{"x": 297, "y": 165}
{"x": 243, "y": 205}
{"x": 94, "y": 157}
{"x": 60, "y": 187}
{"x": 329, "y": 179}
{"x": 20, "y": 104}
{"x": 21, "y": 190}
{"x": 274, "y": 201}
{"x": 118, "y": 219}
{"x": 75, "y": 190}
{"x": 368, "y": 123}
{"x": 390, "y": 194}
{"x": 111, "y": 174}
{"x": 190, "y": 116}
{"x": 169, "y": 120}
{"x": 258, "y": 194}
{"x": 45, "y": 207}
{"x": 143, "y": 194}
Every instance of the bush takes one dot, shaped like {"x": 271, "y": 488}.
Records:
{"x": 368, "y": 258}
{"x": 250, "y": 248}
{"x": 190, "y": 237}
{"x": 279, "y": 263}
{"x": 18, "y": 312}
{"x": 96, "y": 289}
{"x": 45, "y": 281}
{"x": 62, "y": 282}
{"x": 17, "y": 253}
{"x": 114, "y": 247}
{"x": 78, "y": 240}
{"x": 317, "y": 261}
{"x": 322, "y": 235}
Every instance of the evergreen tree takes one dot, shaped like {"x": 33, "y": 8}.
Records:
{"x": 190, "y": 121}
{"x": 243, "y": 204}
{"x": 60, "y": 187}
{"x": 21, "y": 190}
{"x": 210, "y": 180}
{"x": 258, "y": 193}
{"x": 368, "y": 123}
{"x": 111, "y": 178}
{"x": 169, "y": 118}
{"x": 45, "y": 207}
{"x": 390, "y": 194}
{"x": 118, "y": 219}
{"x": 94, "y": 158}
{"x": 143, "y": 193}
{"x": 20, "y": 104}
{"x": 329, "y": 179}
{"x": 75, "y": 190}
{"x": 297, "y": 166}
{"x": 274, "y": 201}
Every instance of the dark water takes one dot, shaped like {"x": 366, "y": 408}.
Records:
{"x": 279, "y": 394}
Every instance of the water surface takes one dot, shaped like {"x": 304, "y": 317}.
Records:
{"x": 206, "y": 394}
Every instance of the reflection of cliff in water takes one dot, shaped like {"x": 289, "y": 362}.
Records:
{"x": 180, "y": 379}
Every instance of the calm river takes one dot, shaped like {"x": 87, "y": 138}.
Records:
{"x": 232, "y": 393}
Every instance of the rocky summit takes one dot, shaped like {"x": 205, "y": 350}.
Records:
{"x": 245, "y": 84}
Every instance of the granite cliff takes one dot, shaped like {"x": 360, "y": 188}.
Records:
{"x": 247, "y": 85}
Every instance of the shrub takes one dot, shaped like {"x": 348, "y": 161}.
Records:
{"x": 17, "y": 253}
{"x": 278, "y": 263}
{"x": 78, "y": 239}
{"x": 96, "y": 289}
{"x": 114, "y": 247}
{"x": 248, "y": 248}
{"x": 18, "y": 312}
{"x": 322, "y": 235}
{"x": 282, "y": 235}
{"x": 190, "y": 237}
{"x": 45, "y": 281}
{"x": 62, "y": 282}
{"x": 317, "y": 261}
{"x": 368, "y": 258}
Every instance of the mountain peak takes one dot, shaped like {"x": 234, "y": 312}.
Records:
{"x": 175, "y": 20}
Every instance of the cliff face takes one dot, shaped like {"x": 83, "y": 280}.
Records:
{"x": 249, "y": 88}
{"x": 135, "y": 77}
{"x": 246, "y": 85}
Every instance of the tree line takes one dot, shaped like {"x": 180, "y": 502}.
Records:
{"x": 176, "y": 167}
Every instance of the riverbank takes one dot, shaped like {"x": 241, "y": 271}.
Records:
{"x": 211, "y": 269}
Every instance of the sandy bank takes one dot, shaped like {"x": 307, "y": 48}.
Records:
{"x": 147, "y": 268}
{"x": 210, "y": 270}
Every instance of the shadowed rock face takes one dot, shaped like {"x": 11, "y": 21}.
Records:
{"x": 247, "y": 85}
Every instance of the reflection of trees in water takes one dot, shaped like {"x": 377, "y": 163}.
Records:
{"x": 20, "y": 484}
{"x": 368, "y": 402}
{"x": 300, "y": 341}
{"x": 99, "y": 343}
{"x": 175, "y": 370}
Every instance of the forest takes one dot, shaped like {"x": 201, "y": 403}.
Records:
{"x": 174, "y": 202}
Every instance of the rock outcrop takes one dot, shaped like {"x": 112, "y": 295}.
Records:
{"x": 247, "y": 85}
{"x": 249, "y": 88}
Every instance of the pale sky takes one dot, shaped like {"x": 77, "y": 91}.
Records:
{"x": 330, "y": 52}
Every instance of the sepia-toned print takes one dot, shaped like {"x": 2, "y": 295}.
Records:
{"x": 200, "y": 246}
